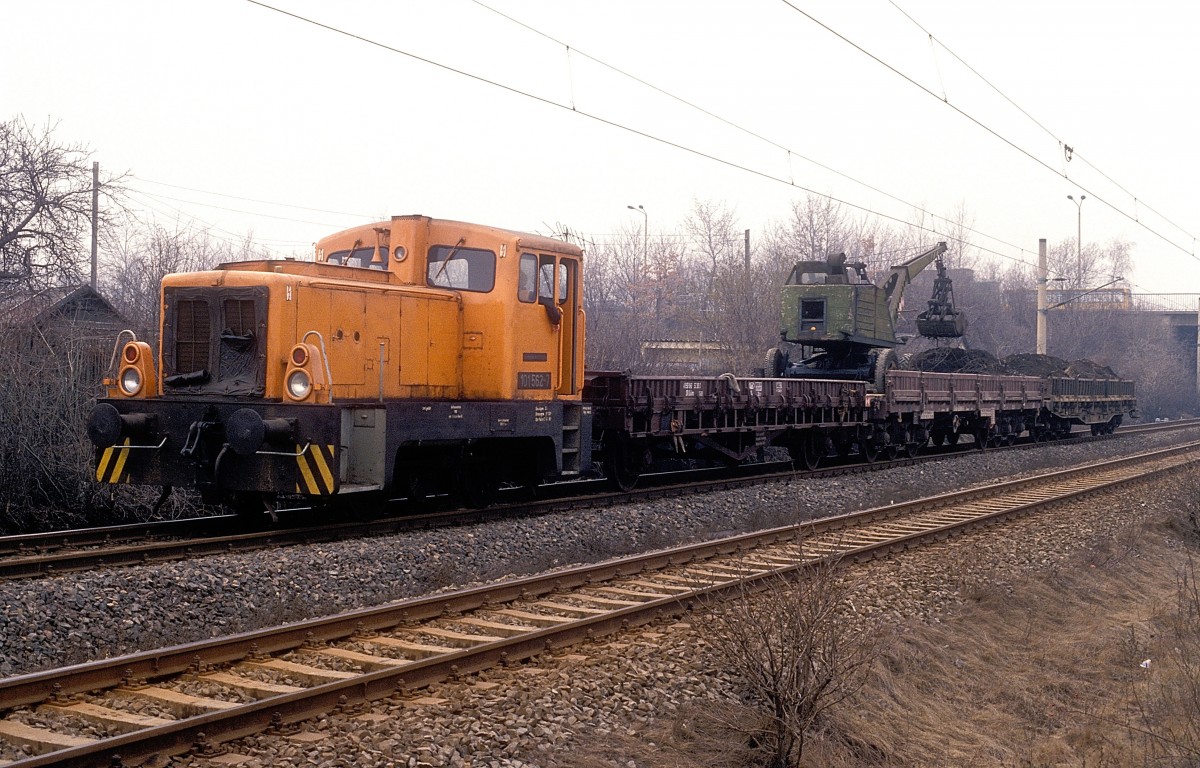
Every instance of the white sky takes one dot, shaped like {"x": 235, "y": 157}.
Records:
{"x": 228, "y": 97}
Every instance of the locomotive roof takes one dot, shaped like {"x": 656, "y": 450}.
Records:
{"x": 524, "y": 239}
{"x": 308, "y": 269}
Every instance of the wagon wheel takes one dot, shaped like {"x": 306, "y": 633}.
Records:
{"x": 621, "y": 464}
{"x": 915, "y": 444}
{"x": 983, "y": 440}
{"x": 952, "y": 438}
{"x": 869, "y": 449}
{"x": 938, "y": 437}
{"x": 901, "y": 443}
{"x": 808, "y": 452}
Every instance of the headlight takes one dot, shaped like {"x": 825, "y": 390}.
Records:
{"x": 131, "y": 381}
{"x": 298, "y": 385}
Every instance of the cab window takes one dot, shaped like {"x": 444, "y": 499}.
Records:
{"x": 464, "y": 269}
{"x": 546, "y": 279}
{"x": 360, "y": 257}
{"x": 564, "y": 281}
{"x": 527, "y": 279}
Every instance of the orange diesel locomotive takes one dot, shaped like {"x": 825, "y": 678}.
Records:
{"x": 416, "y": 354}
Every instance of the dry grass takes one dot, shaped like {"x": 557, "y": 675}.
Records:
{"x": 1048, "y": 676}
{"x": 1045, "y": 672}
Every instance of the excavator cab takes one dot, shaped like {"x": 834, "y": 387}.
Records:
{"x": 837, "y": 323}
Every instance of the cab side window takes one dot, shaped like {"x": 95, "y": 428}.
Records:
{"x": 527, "y": 279}
{"x": 565, "y": 278}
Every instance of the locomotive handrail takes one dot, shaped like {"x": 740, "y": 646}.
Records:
{"x": 295, "y": 455}
{"x": 324, "y": 360}
{"x": 112, "y": 361}
{"x": 161, "y": 443}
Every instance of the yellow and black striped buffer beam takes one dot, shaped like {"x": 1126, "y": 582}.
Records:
{"x": 316, "y": 473}
{"x": 112, "y": 463}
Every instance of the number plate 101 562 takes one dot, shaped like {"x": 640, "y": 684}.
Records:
{"x": 528, "y": 380}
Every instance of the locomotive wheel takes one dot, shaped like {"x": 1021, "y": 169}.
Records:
{"x": 480, "y": 485}
{"x": 247, "y": 505}
{"x": 410, "y": 484}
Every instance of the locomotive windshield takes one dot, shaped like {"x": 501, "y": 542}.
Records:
{"x": 464, "y": 269}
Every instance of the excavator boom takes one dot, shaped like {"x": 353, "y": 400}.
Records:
{"x": 900, "y": 275}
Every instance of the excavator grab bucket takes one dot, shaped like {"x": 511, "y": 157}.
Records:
{"x": 942, "y": 320}
{"x": 942, "y": 327}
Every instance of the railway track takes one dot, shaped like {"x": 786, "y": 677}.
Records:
{"x": 190, "y": 697}
{"x": 44, "y": 554}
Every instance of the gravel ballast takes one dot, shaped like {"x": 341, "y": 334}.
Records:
{"x": 608, "y": 703}
{"x": 74, "y": 618}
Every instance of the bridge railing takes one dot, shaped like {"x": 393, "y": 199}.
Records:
{"x": 1166, "y": 302}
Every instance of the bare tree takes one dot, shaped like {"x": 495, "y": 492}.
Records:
{"x": 797, "y": 651}
{"x": 136, "y": 264}
{"x": 45, "y": 206}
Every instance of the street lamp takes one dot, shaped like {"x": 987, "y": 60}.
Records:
{"x": 645, "y": 233}
{"x": 1079, "y": 234}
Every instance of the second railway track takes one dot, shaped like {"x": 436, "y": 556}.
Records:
{"x": 223, "y": 689}
{"x": 36, "y": 555}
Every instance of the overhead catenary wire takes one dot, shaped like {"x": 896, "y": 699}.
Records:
{"x": 737, "y": 126}
{"x": 175, "y": 213}
{"x": 1133, "y": 218}
{"x": 661, "y": 140}
{"x": 1074, "y": 151}
{"x": 143, "y": 179}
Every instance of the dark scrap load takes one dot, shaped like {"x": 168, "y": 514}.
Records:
{"x": 953, "y": 360}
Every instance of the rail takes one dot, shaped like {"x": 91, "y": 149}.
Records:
{"x": 58, "y": 552}
{"x": 404, "y": 646}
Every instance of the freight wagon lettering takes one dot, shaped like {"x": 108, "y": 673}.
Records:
{"x": 542, "y": 415}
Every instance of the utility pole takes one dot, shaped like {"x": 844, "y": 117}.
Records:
{"x": 1078, "y": 236}
{"x": 1041, "y": 297}
{"x": 645, "y": 234}
{"x": 747, "y": 251}
{"x": 95, "y": 217}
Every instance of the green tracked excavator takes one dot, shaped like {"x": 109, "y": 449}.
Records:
{"x": 837, "y": 324}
